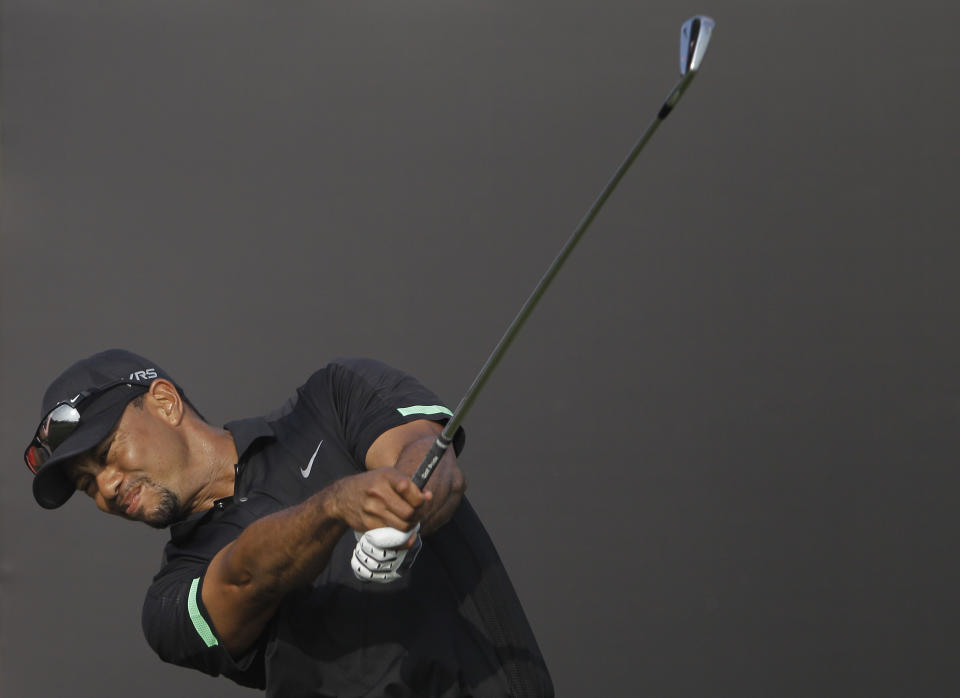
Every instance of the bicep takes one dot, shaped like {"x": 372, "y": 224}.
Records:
{"x": 386, "y": 449}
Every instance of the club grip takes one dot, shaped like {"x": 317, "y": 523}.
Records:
{"x": 425, "y": 469}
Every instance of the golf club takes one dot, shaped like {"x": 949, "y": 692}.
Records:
{"x": 694, "y": 38}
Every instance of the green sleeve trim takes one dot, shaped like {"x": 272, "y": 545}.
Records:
{"x": 424, "y": 409}
{"x": 199, "y": 622}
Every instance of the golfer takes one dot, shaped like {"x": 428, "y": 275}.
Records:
{"x": 301, "y": 558}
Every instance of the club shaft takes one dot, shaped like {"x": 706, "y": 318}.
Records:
{"x": 443, "y": 441}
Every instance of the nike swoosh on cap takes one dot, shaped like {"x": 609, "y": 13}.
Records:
{"x": 306, "y": 471}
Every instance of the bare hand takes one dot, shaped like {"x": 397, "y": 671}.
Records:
{"x": 379, "y": 498}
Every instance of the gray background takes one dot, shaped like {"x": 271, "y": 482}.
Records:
{"x": 721, "y": 459}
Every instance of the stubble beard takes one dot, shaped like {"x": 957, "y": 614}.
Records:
{"x": 167, "y": 511}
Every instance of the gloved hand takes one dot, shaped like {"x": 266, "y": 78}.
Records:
{"x": 378, "y": 556}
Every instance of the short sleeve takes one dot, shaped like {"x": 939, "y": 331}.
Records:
{"x": 371, "y": 397}
{"x": 178, "y": 628}
{"x": 176, "y": 622}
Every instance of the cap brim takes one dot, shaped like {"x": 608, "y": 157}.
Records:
{"x": 51, "y": 486}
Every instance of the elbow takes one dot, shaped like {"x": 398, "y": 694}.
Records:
{"x": 239, "y": 581}
{"x": 255, "y": 581}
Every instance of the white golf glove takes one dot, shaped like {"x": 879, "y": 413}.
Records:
{"x": 378, "y": 556}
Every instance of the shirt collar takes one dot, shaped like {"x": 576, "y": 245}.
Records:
{"x": 245, "y": 432}
{"x": 182, "y": 530}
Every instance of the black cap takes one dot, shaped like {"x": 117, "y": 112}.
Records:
{"x": 98, "y": 416}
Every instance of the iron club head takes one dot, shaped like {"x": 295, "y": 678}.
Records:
{"x": 694, "y": 37}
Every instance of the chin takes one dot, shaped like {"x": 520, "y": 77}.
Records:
{"x": 166, "y": 512}
{"x": 159, "y": 518}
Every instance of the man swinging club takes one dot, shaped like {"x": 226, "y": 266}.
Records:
{"x": 263, "y": 579}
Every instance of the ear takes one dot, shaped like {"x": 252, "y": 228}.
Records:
{"x": 166, "y": 401}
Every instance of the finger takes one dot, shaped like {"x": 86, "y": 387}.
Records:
{"x": 374, "y": 564}
{"x": 410, "y": 492}
{"x": 375, "y": 551}
{"x": 363, "y": 573}
{"x": 373, "y": 572}
{"x": 374, "y": 558}
{"x": 399, "y": 494}
{"x": 403, "y": 508}
{"x": 389, "y": 510}
{"x": 378, "y": 560}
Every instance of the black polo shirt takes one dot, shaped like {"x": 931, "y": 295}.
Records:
{"x": 453, "y": 626}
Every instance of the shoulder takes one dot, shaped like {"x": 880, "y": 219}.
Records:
{"x": 355, "y": 374}
{"x": 347, "y": 366}
{"x": 357, "y": 363}
{"x": 363, "y": 368}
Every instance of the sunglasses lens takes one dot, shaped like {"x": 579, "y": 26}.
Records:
{"x": 35, "y": 456}
{"x": 58, "y": 425}
{"x": 53, "y": 431}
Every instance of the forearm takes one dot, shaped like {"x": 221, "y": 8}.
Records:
{"x": 247, "y": 579}
{"x": 447, "y": 483}
{"x": 285, "y": 550}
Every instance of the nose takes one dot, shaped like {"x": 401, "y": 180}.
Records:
{"x": 108, "y": 482}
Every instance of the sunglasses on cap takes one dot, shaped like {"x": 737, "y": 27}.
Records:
{"x": 60, "y": 423}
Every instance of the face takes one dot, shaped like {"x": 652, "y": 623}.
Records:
{"x": 136, "y": 471}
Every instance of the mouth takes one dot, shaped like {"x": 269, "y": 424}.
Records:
{"x": 131, "y": 502}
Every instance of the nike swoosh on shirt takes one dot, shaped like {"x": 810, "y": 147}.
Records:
{"x": 306, "y": 471}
